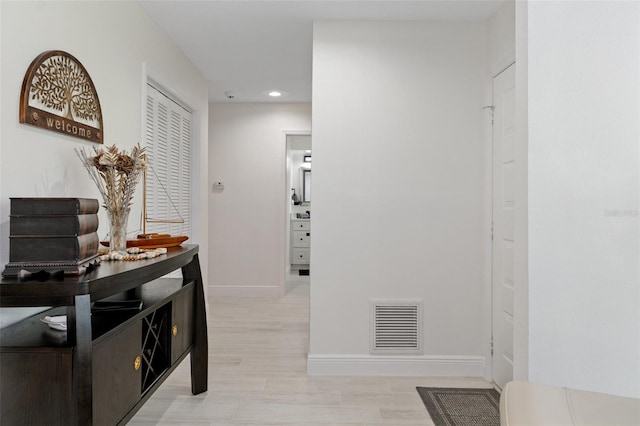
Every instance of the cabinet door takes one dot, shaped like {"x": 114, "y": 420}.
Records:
{"x": 36, "y": 388}
{"x": 182, "y": 322}
{"x": 117, "y": 375}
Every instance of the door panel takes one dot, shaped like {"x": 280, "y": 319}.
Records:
{"x": 504, "y": 167}
{"x": 182, "y": 323}
{"x": 116, "y": 375}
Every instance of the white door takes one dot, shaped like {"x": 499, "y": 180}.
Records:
{"x": 504, "y": 96}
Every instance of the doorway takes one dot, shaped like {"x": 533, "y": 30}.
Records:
{"x": 298, "y": 208}
{"x": 502, "y": 283}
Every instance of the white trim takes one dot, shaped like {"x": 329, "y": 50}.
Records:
{"x": 389, "y": 365}
{"x": 245, "y": 291}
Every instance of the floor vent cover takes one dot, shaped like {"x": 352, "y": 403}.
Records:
{"x": 396, "y": 327}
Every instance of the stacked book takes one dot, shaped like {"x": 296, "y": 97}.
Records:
{"x": 52, "y": 235}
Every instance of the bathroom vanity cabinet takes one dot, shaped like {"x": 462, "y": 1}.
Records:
{"x": 106, "y": 365}
{"x": 300, "y": 241}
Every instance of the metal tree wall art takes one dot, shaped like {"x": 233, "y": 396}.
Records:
{"x": 58, "y": 94}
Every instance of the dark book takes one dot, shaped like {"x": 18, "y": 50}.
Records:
{"x": 53, "y": 225}
{"x": 52, "y": 248}
{"x": 54, "y": 206}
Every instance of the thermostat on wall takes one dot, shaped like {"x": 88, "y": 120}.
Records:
{"x": 218, "y": 186}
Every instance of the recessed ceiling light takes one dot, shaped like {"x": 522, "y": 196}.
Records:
{"x": 275, "y": 94}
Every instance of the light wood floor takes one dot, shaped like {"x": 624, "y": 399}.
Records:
{"x": 257, "y": 376}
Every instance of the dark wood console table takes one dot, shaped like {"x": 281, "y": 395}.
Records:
{"x": 105, "y": 366}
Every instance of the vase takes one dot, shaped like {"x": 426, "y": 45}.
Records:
{"x": 118, "y": 230}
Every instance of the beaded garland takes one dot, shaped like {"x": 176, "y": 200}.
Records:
{"x": 135, "y": 253}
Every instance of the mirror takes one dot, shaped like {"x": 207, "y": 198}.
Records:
{"x": 306, "y": 186}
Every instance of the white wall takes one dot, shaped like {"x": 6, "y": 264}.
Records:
{"x": 521, "y": 225}
{"x": 114, "y": 41}
{"x": 398, "y": 163}
{"x": 583, "y": 143}
{"x": 501, "y": 48}
{"x": 247, "y": 220}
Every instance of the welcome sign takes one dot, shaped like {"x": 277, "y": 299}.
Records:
{"x": 58, "y": 95}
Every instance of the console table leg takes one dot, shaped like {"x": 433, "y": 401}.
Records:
{"x": 199, "y": 353}
{"x": 79, "y": 322}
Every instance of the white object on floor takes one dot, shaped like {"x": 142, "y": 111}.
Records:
{"x": 525, "y": 403}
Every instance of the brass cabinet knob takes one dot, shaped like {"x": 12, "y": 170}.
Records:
{"x": 136, "y": 363}
{"x": 174, "y": 330}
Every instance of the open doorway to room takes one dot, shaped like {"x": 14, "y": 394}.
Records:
{"x": 298, "y": 209}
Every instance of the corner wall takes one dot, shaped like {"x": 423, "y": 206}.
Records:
{"x": 521, "y": 225}
{"x": 115, "y": 41}
{"x": 399, "y": 172}
{"x": 248, "y": 218}
{"x": 584, "y": 195}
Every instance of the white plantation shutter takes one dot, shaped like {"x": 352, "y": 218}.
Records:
{"x": 168, "y": 142}
{"x": 185, "y": 173}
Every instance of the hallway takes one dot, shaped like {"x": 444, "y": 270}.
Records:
{"x": 257, "y": 376}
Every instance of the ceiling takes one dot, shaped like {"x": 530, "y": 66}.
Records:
{"x": 249, "y": 47}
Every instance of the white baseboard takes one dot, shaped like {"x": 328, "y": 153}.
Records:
{"x": 395, "y": 365}
{"x": 245, "y": 291}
